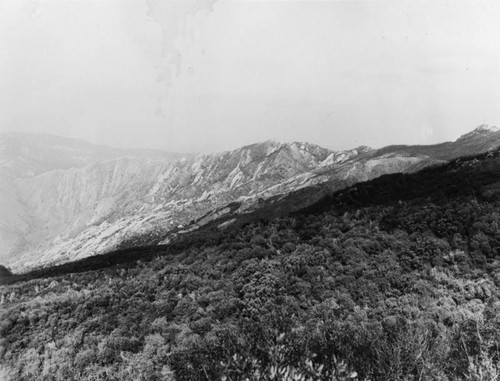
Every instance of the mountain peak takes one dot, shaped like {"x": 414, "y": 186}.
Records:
{"x": 486, "y": 128}
{"x": 480, "y": 131}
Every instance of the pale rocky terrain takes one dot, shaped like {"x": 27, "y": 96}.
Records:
{"x": 63, "y": 199}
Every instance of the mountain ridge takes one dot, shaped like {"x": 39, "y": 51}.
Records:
{"x": 27, "y": 154}
{"x": 70, "y": 213}
{"x": 475, "y": 175}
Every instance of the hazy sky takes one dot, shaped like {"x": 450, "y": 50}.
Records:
{"x": 212, "y": 75}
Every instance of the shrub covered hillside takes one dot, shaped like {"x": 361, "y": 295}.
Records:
{"x": 395, "y": 279}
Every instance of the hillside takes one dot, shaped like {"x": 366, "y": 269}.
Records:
{"x": 27, "y": 155}
{"x": 83, "y": 211}
{"x": 65, "y": 199}
{"x": 392, "y": 279}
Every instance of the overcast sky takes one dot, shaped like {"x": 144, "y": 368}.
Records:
{"x": 213, "y": 75}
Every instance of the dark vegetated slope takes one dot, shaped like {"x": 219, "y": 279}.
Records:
{"x": 395, "y": 279}
{"x": 465, "y": 176}
{"x": 5, "y": 273}
{"x": 91, "y": 264}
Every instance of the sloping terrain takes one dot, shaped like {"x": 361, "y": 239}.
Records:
{"x": 83, "y": 211}
{"x": 397, "y": 278}
{"x": 28, "y": 155}
{"x": 64, "y": 200}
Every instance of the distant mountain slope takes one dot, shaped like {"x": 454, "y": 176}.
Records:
{"x": 63, "y": 199}
{"x": 84, "y": 211}
{"x": 466, "y": 178}
{"x": 27, "y": 155}
{"x": 481, "y": 139}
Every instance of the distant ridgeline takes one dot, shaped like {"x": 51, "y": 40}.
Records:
{"x": 475, "y": 175}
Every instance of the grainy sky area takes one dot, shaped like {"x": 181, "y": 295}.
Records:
{"x": 211, "y": 75}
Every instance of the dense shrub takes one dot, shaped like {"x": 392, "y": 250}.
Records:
{"x": 362, "y": 285}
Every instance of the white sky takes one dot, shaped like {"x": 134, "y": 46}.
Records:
{"x": 207, "y": 75}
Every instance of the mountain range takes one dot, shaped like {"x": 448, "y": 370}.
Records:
{"x": 64, "y": 199}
